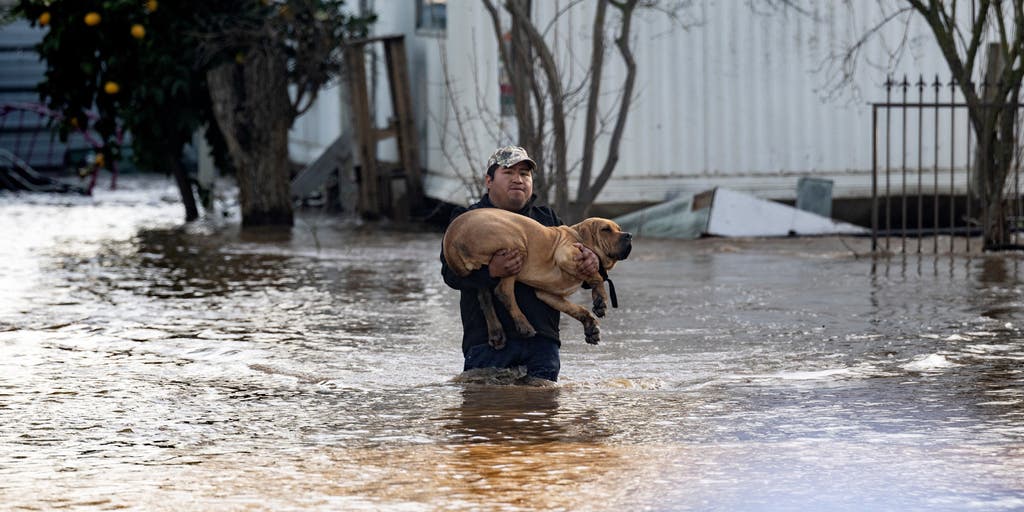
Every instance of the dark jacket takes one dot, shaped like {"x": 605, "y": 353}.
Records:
{"x": 544, "y": 318}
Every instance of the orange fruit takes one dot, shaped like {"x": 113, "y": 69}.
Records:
{"x": 138, "y": 31}
{"x": 111, "y": 88}
{"x": 92, "y": 19}
{"x": 151, "y": 5}
{"x": 44, "y": 19}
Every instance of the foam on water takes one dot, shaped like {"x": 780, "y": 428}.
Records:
{"x": 861, "y": 371}
{"x": 929, "y": 363}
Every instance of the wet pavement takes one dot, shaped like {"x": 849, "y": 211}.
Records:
{"x": 148, "y": 365}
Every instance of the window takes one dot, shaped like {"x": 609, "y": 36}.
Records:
{"x": 431, "y": 15}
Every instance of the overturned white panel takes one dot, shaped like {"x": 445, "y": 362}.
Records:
{"x": 738, "y": 214}
{"x": 684, "y": 217}
{"x": 728, "y": 213}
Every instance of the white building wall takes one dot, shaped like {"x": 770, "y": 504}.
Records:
{"x": 744, "y": 98}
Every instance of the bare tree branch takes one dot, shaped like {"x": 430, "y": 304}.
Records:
{"x": 626, "y": 9}
{"x": 469, "y": 178}
{"x": 596, "y": 66}
{"x": 550, "y": 69}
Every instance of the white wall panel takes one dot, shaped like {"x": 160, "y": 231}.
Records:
{"x": 745, "y": 99}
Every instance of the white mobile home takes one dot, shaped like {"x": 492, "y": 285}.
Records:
{"x": 736, "y": 94}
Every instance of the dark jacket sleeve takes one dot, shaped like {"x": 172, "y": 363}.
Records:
{"x": 479, "y": 278}
{"x": 546, "y": 216}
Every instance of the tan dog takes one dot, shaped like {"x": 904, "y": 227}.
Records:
{"x": 549, "y": 264}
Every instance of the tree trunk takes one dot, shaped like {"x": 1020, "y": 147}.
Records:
{"x": 993, "y": 162}
{"x": 994, "y": 127}
{"x": 254, "y": 112}
{"x": 184, "y": 186}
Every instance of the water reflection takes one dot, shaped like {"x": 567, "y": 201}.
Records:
{"x": 171, "y": 263}
{"x": 520, "y": 415}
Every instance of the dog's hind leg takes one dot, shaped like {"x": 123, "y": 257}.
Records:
{"x": 495, "y": 334}
{"x": 591, "y": 329}
{"x": 506, "y": 292}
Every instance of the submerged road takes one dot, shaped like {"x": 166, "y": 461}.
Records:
{"x": 146, "y": 365}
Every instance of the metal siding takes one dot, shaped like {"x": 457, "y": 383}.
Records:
{"x": 739, "y": 100}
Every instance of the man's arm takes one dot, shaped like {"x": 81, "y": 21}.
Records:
{"x": 504, "y": 263}
{"x": 587, "y": 263}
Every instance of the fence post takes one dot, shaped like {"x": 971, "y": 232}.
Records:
{"x": 920, "y": 162}
{"x": 952, "y": 161}
{"x": 874, "y": 178}
{"x": 935, "y": 177}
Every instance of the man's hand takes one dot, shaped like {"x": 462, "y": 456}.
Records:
{"x": 586, "y": 261}
{"x": 505, "y": 262}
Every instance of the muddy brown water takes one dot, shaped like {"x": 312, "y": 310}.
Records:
{"x": 145, "y": 365}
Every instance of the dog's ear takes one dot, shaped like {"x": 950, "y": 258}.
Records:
{"x": 607, "y": 234}
{"x": 590, "y": 230}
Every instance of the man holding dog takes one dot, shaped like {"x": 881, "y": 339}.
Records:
{"x": 509, "y": 183}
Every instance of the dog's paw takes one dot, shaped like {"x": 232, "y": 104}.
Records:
{"x": 524, "y": 329}
{"x": 496, "y": 339}
{"x": 600, "y": 308}
{"x": 592, "y": 333}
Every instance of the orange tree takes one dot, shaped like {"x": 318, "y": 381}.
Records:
{"x": 133, "y": 62}
{"x": 147, "y": 67}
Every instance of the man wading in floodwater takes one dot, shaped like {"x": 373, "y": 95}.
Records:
{"x": 509, "y": 183}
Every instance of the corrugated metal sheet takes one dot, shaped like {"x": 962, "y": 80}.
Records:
{"x": 740, "y": 99}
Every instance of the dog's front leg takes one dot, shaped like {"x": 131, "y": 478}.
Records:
{"x": 495, "y": 334}
{"x": 591, "y": 329}
{"x": 599, "y": 295}
{"x": 566, "y": 260}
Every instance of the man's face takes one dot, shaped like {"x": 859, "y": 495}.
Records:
{"x": 511, "y": 187}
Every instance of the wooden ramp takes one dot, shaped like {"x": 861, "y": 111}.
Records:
{"x": 334, "y": 169}
{"x": 365, "y": 185}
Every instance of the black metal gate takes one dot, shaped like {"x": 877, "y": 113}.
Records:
{"x": 922, "y": 170}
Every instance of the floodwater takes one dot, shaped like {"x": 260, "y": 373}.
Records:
{"x": 148, "y": 366}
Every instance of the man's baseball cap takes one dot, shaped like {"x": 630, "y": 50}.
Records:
{"x": 508, "y": 156}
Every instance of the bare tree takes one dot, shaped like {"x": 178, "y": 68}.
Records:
{"x": 993, "y": 107}
{"x": 541, "y": 84}
{"x": 463, "y": 158}
{"x": 963, "y": 31}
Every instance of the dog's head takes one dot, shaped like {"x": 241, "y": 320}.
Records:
{"x": 606, "y": 239}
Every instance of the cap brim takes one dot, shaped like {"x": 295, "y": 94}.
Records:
{"x": 533, "y": 165}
